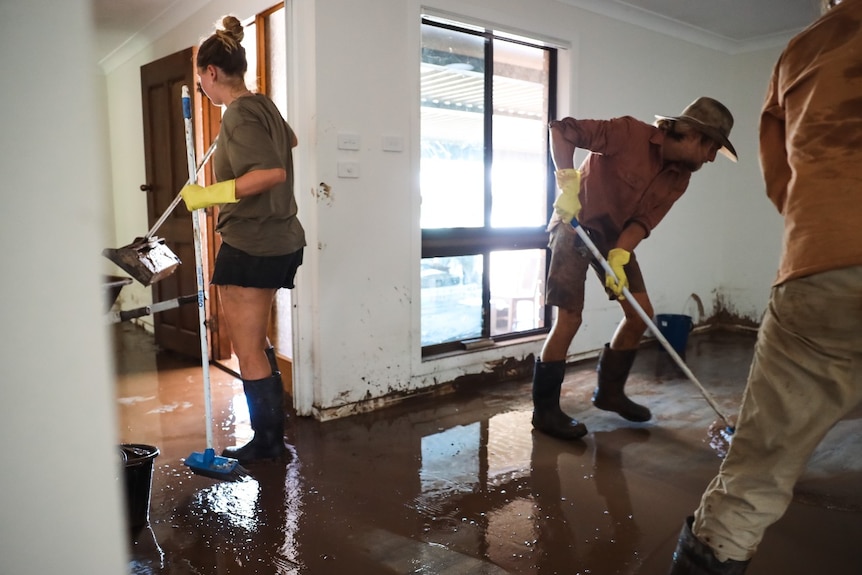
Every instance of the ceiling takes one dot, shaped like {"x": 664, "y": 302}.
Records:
{"x": 130, "y": 25}
{"x": 729, "y": 25}
{"x": 119, "y": 21}
{"x": 739, "y": 20}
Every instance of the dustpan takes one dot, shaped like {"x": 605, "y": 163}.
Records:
{"x": 146, "y": 259}
{"x": 149, "y": 259}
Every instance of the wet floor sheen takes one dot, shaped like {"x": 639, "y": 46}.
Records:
{"x": 460, "y": 484}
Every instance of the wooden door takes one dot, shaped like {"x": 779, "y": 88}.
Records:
{"x": 210, "y": 123}
{"x": 167, "y": 172}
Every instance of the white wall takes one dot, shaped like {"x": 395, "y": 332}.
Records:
{"x": 751, "y": 238}
{"x": 354, "y": 69}
{"x": 60, "y": 490}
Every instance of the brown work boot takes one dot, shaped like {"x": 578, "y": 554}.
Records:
{"x": 613, "y": 369}
{"x": 547, "y": 415}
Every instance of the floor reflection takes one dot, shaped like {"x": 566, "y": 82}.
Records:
{"x": 461, "y": 484}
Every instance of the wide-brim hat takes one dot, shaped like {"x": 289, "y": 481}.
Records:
{"x": 712, "y": 118}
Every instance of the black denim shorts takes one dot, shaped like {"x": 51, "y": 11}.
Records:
{"x": 238, "y": 268}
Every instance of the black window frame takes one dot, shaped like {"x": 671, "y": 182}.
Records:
{"x": 453, "y": 242}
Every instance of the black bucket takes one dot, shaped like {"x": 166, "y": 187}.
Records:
{"x": 138, "y": 462}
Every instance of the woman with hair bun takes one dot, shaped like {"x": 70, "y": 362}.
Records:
{"x": 262, "y": 238}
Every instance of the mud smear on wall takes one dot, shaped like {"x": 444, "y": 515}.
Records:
{"x": 725, "y": 315}
{"x": 502, "y": 370}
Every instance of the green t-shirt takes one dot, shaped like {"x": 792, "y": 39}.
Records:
{"x": 254, "y": 136}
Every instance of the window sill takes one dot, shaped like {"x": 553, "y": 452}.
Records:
{"x": 493, "y": 345}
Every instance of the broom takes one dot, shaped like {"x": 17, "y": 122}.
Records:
{"x": 729, "y": 430}
{"x": 205, "y": 463}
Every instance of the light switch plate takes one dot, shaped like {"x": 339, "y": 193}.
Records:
{"x": 348, "y": 141}
{"x": 348, "y": 169}
{"x": 393, "y": 143}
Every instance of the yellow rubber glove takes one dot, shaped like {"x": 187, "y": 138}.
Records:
{"x": 197, "y": 197}
{"x": 617, "y": 258}
{"x": 567, "y": 205}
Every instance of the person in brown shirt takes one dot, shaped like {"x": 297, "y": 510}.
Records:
{"x": 806, "y": 374}
{"x": 626, "y": 185}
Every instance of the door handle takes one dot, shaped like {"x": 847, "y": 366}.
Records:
{"x": 146, "y": 187}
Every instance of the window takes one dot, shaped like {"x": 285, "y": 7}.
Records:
{"x": 484, "y": 180}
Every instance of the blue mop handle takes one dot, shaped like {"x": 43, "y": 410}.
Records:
{"x": 647, "y": 320}
{"x": 199, "y": 272}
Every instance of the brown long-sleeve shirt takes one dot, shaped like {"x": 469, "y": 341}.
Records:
{"x": 623, "y": 180}
{"x": 811, "y": 144}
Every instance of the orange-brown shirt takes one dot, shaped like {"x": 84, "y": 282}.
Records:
{"x": 811, "y": 144}
{"x": 623, "y": 179}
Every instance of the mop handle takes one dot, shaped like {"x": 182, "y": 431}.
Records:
{"x": 640, "y": 311}
{"x": 192, "y": 179}
{"x": 199, "y": 272}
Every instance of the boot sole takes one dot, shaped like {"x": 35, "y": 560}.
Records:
{"x": 576, "y": 433}
{"x": 621, "y": 414}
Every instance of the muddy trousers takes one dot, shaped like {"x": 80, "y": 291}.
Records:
{"x": 806, "y": 376}
{"x": 265, "y": 398}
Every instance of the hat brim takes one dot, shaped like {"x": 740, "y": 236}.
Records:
{"x": 726, "y": 149}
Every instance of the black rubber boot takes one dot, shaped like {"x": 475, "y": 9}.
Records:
{"x": 613, "y": 369}
{"x": 691, "y": 557}
{"x": 273, "y": 362}
{"x": 265, "y": 398}
{"x": 547, "y": 415}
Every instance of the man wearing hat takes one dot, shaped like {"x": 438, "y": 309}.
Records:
{"x": 633, "y": 175}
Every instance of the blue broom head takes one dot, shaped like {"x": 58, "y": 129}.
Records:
{"x": 211, "y": 464}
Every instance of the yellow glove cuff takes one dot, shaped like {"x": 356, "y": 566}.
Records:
{"x": 568, "y": 180}
{"x": 568, "y": 205}
{"x": 197, "y": 197}
{"x": 618, "y": 257}
{"x": 223, "y": 192}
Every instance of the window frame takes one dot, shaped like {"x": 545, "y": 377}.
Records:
{"x": 460, "y": 241}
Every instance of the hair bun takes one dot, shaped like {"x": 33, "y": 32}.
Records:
{"x": 233, "y": 27}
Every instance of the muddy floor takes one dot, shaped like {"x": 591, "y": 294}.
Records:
{"x": 460, "y": 484}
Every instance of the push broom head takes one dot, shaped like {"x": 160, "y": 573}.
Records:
{"x": 215, "y": 466}
{"x": 720, "y": 436}
{"x": 148, "y": 260}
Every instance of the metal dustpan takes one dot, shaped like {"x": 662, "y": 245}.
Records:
{"x": 148, "y": 259}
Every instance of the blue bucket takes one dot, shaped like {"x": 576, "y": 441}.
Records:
{"x": 675, "y": 329}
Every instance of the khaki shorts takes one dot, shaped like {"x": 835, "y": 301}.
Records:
{"x": 570, "y": 260}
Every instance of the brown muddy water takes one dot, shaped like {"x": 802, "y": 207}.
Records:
{"x": 460, "y": 484}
